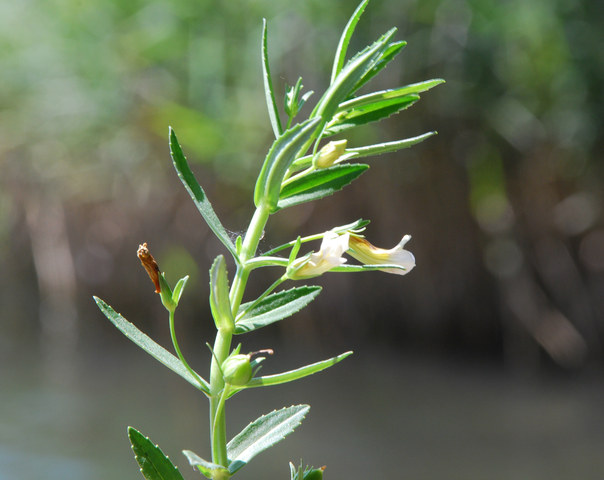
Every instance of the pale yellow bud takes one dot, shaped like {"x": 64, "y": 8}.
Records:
{"x": 330, "y": 153}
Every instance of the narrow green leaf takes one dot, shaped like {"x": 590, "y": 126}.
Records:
{"x": 369, "y": 113}
{"x": 365, "y": 268}
{"x": 206, "y": 468}
{"x": 275, "y": 307}
{"x": 280, "y": 156}
{"x": 198, "y": 195}
{"x": 291, "y": 375}
{"x": 152, "y": 461}
{"x": 149, "y": 346}
{"x": 219, "y": 295}
{"x": 269, "y": 93}
{"x": 391, "y": 51}
{"x": 179, "y": 288}
{"x": 354, "y": 70}
{"x": 319, "y": 184}
{"x": 263, "y": 433}
{"x": 386, "y": 147}
{"x": 340, "y": 56}
{"x": 390, "y": 93}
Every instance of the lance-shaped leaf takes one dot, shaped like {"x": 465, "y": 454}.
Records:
{"x": 389, "y": 94}
{"x": 344, "y": 84}
{"x": 198, "y": 195}
{"x": 280, "y": 156}
{"x": 152, "y": 461}
{"x": 369, "y": 113}
{"x": 269, "y": 93}
{"x": 340, "y": 56}
{"x": 319, "y": 184}
{"x": 152, "y": 348}
{"x": 219, "y": 295}
{"x": 391, "y": 51}
{"x": 298, "y": 373}
{"x": 275, "y": 307}
{"x": 263, "y": 433}
{"x": 208, "y": 469}
{"x": 386, "y": 147}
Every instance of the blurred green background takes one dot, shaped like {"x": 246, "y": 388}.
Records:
{"x": 489, "y": 354}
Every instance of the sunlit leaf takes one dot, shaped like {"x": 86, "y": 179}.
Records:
{"x": 275, "y": 307}
{"x": 354, "y": 70}
{"x": 391, "y": 51}
{"x": 152, "y": 348}
{"x": 319, "y": 184}
{"x": 152, "y": 461}
{"x": 369, "y": 113}
{"x": 280, "y": 156}
{"x": 390, "y": 93}
{"x": 298, "y": 373}
{"x": 269, "y": 93}
{"x": 198, "y": 195}
{"x": 206, "y": 468}
{"x": 340, "y": 56}
{"x": 263, "y": 433}
{"x": 219, "y": 295}
{"x": 386, "y": 147}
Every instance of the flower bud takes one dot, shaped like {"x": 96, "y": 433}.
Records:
{"x": 314, "y": 474}
{"x": 237, "y": 369}
{"x": 330, "y": 153}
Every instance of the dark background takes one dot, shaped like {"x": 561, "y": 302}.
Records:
{"x": 495, "y": 339}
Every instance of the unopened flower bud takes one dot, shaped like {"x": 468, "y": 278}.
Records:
{"x": 237, "y": 369}
{"x": 314, "y": 474}
{"x": 330, "y": 153}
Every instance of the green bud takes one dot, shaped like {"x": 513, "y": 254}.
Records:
{"x": 314, "y": 474}
{"x": 237, "y": 369}
{"x": 330, "y": 153}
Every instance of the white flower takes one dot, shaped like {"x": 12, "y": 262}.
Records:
{"x": 329, "y": 256}
{"x": 366, "y": 253}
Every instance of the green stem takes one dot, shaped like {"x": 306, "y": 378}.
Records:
{"x": 222, "y": 344}
{"x": 248, "y": 250}
{"x": 179, "y": 353}
{"x": 278, "y": 282}
{"x": 297, "y": 176}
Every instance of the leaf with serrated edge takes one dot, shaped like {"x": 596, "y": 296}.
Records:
{"x": 269, "y": 93}
{"x": 340, "y": 56}
{"x": 369, "y": 114}
{"x": 320, "y": 184}
{"x": 390, "y": 93}
{"x": 391, "y": 51}
{"x": 204, "y": 466}
{"x": 263, "y": 433}
{"x": 148, "y": 345}
{"x": 353, "y": 71}
{"x": 152, "y": 461}
{"x": 275, "y": 307}
{"x": 198, "y": 195}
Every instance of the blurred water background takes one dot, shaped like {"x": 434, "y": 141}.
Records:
{"x": 485, "y": 362}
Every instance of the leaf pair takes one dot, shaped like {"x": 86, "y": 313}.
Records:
{"x": 258, "y": 436}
